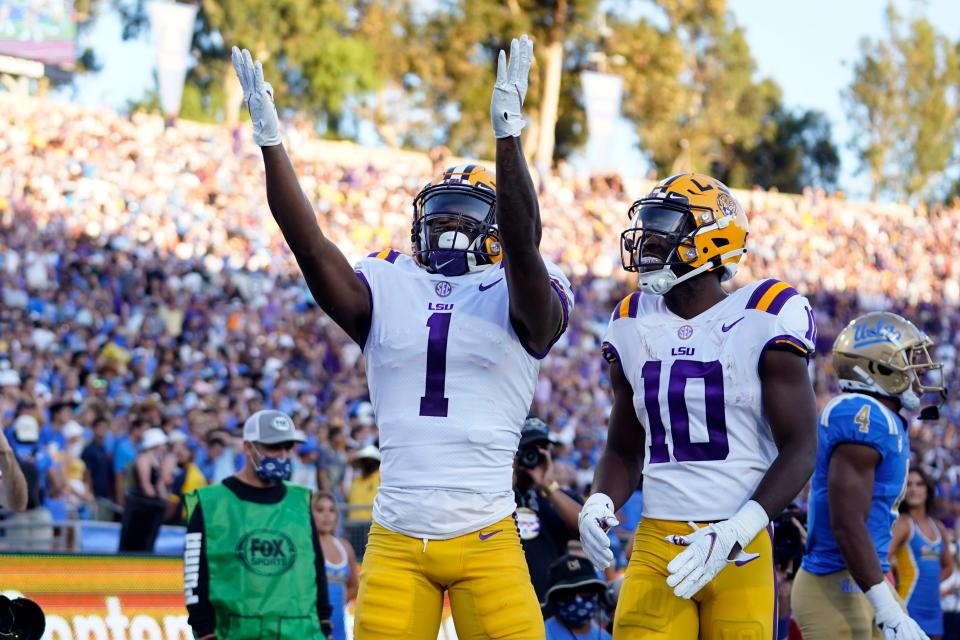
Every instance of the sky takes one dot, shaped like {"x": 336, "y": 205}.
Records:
{"x": 808, "y": 47}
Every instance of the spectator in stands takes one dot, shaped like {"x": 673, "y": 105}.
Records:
{"x": 99, "y": 464}
{"x": 574, "y": 592}
{"x": 546, "y": 514}
{"x": 365, "y": 482}
{"x": 78, "y": 490}
{"x": 31, "y": 528}
{"x": 334, "y": 460}
{"x": 306, "y": 472}
{"x": 187, "y": 477}
{"x": 124, "y": 453}
{"x": 145, "y": 502}
{"x": 343, "y": 574}
{"x": 13, "y": 486}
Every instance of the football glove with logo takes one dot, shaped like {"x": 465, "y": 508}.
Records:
{"x": 258, "y": 95}
{"x": 895, "y": 623}
{"x": 510, "y": 89}
{"x": 708, "y": 549}
{"x": 596, "y": 517}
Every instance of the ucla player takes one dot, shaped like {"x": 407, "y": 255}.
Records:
{"x": 713, "y": 403}
{"x": 452, "y": 337}
{"x": 840, "y": 593}
{"x": 921, "y": 555}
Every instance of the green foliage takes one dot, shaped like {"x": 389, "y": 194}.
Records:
{"x": 904, "y": 105}
{"x": 689, "y": 85}
{"x": 793, "y": 150}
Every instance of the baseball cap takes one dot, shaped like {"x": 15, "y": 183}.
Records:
{"x": 534, "y": 430}
{"x": 370, "y": 452}
{"x": 153, "y": 437}
{"x": 271, "y": 427}
{"x": 572, "y": 572}
{"x": 72, "y": 430}
{"x": 26, "y": 428}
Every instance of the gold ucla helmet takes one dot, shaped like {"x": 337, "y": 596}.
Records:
{"x": 688, "y": 224}
{"x": 885, "y": 354}
{"x": 454, "y": 225}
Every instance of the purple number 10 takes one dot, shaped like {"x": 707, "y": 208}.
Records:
{"x": 716, "y": 447}
{"x": 433, "y": 403}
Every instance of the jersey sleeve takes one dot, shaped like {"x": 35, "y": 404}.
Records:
{"x": 367, "y": 269}
{"x": 859, "y": 420}
{"x": 561, "y": 285}
{"x": 792, "y": 326}
{"x": 612, "y": 343}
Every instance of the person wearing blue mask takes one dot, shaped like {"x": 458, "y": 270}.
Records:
{"x": 575, "y": 592}
{"x": 253, "y": 566}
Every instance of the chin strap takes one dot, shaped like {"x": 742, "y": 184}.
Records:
{"x": 659, "y": 282}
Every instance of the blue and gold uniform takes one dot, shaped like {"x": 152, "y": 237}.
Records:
{"x": 826, "y": 601}
{"x": 918, "y": 578}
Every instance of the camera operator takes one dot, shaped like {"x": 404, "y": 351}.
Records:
{"x": 546, "y": 514}
{"x": 789, "y": 540}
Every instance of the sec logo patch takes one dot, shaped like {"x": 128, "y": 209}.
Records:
{"x": 266, "y": 552}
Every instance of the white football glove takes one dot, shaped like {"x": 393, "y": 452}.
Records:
{"x": 895, "y": 623}
{"x": 259, "y": 98}
{"x": 709, "y": 548}
{"x": 510, "y": 89}
{"x": 596, "y": 517}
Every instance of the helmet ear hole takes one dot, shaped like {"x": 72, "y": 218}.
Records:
{"x": 720, "y": 242}
{"x": 884, "y": 371}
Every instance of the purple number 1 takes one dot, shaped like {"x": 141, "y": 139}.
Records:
{"x": 717, "y": 447}
{"x": 432, "y": 403}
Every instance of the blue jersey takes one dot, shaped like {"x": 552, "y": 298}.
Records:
{"x": 918, "y": 578}
{"x": 859, "y": 419}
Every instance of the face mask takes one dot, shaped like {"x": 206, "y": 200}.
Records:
{"x": 450, "y": 258}
{"x": 578, "y": 611}
{"x": 272, "y": 469}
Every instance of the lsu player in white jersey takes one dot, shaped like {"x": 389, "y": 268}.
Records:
{"x": 452, "y": 338}
{"x": 713, "y": 404}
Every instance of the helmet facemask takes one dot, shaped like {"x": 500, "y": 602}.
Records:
{"x": 660, "y": 244}
{"x": 453, "y": 231}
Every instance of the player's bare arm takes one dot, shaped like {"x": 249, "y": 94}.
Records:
{"x": 535, "y": 308}
{"x": 621, "y": 463}
{"x": 328, "y": 274}
{"x": 618, "y": 471}
{"x": 850, "y": 492}
{"x": 791, "y": 408}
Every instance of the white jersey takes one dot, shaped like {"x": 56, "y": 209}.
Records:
{"x": 697, "y": 392}
{"x": 451, "y": 385}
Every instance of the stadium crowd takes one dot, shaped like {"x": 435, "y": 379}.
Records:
{"x": 149, "y": 303}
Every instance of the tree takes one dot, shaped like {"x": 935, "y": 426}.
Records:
{"x": 794, "y": 150}
{"x": 904, "y": 107}
{"x": 309, "y": 46}
{"x": 689, "y": 85}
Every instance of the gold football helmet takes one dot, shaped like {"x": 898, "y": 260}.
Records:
{"x": 885, "y": 354}
{"x": 688, "y": 224}
{"x": 454, "y": 227}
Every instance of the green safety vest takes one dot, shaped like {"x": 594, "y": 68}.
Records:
{"x": 261, "y": 564}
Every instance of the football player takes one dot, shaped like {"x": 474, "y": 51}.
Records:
{"x": 884, "y": 366}
{"x": 452, "y": 337}
{"x": 713, "y": 404}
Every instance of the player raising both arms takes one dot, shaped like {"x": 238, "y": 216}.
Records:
{"x": 840, "y": 593}
{"x": 452, "y": 338}
{"x": 713, "y": 404}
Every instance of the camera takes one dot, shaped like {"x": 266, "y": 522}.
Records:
{"x": 21, "y": 618}
{"x": 788, "y": 540}
{"x": 529, "y": 457}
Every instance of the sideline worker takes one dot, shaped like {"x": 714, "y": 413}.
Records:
{"x": 253, "y": 566}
